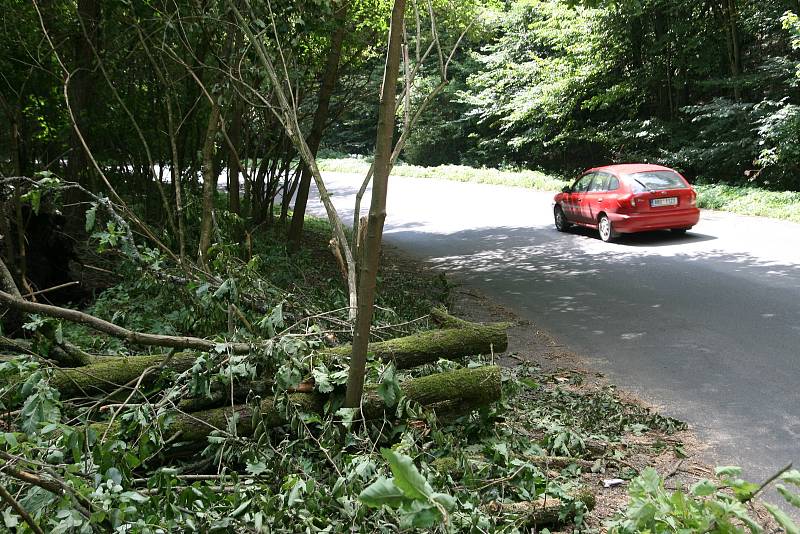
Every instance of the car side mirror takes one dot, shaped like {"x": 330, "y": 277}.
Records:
{"x": 566, "y": 189}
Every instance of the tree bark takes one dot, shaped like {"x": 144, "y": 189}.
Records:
{"x": 83, "y": 84}
{"x": 542, "y": 511}
{"x": 329, "y": 77}
{"x": 406, "y": 352}
{"x": 234, "y": 169}
{"x": 368, "y": 261}
{"x": 480, "y": 385}
{"x": 209, "y": 185}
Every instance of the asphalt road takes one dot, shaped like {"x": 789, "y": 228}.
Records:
{"x": 705, "y": 326}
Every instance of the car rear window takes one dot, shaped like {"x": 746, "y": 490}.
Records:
{"x": 653, "y": 180}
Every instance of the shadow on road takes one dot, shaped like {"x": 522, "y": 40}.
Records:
{"x": 658, "y": 238}
{"x": 544, "y": 255}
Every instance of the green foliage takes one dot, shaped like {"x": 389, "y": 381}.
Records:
{"x": 750, "y": 201}
{"x": 409, "y": 493}
{"x": 458, "y": 173}
{"x": 563, "y": 86}
{"x": 714, "y": 507}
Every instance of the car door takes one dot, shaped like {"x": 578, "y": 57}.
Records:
{"x": 595, "y": 199}
{"x": 574, "y": 201}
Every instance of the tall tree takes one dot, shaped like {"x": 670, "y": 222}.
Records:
{"x": 370, "y": 250}
{"x": 329, "y": 77}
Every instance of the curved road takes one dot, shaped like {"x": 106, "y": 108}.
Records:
{"x": 706, "y": 325}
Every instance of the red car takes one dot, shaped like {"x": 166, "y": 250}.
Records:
{"x": 622, "y": 199}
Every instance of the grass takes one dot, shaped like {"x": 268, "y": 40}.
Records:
{"x": 743, "y": 200}
{"x": 457, "y": 173}
{"x": 750, "y": 201}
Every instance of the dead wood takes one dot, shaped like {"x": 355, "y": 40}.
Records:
{"x": 100, "y": 325}
{"x": 543, "y": 511}
{"x": 108, "y": 373}
{"x": 481, "y": 384}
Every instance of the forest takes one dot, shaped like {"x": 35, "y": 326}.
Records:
{"x": 184, "y": 348}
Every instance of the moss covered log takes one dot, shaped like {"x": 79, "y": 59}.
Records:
{"x": 481, "y": 384}
{"x": 544, "y": 511}
{"x": 463, "y": 339}
{"x": 108, "y": 374}
{"x": 196, "y": 426}
{"x": 467, "y": 339}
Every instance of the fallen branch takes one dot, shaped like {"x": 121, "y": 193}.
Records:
{"x": 106, "y": 374}
{"x": 100, "y": 325}
{"x": 109, "y": 373}
{"x": 23, "y": 513}
{"x": 467, "y": 339}
{"x": 467, "y": 385}
{"x": 544, "y": 510}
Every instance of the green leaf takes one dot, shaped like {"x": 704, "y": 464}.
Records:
{"x": 783, "y": 520}
{"x": 91, "y": 216}
{"x": 407, "y": 478}
{"x": 422, "y": 516}
{"x": 322, "y": 380}
{"x": 791, "y": 498}
{"x": 389, "y": 388}
{"x": 448, "y": 502}
{"x": 728, "y": 471}
{"x": 382, "y": 492}
{"x": 256, "y": 468}
{"x": 10, "y": 520}
{"x": 134, "y": 496}
{"x": 703, "y": 487}
{"x": 743, "y": 490}
{"x": 792, "y": 477}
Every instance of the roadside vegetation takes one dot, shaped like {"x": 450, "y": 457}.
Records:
{"x": 177, "y": 356}
{"x": 141, "y": 440}
{"x": 744, "y": 200}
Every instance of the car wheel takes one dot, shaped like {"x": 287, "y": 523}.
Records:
{"x": 562, "y": 224}
{"x": 605, "y": 228}
{"x": 679, "y": 231}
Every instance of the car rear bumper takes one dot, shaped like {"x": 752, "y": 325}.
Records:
{"x": 643, "y": 222}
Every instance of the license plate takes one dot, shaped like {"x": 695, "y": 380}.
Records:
{"x": 669, "y": 201}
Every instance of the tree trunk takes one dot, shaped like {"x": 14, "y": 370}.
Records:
{"x": 209, "y": 185}
{"x": 466, "y": 339}
{"x": 235, "y": 134}
{"x": 368, "y": 260}
{"x": 82, "y": 89}
{"x": 466, "y": 386}
{"x": 329, "y": 78}
{"x": 544, "y": 511}
{"x": 176, "y": 180}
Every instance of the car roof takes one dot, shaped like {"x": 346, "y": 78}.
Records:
{"x": 630, "y": 168}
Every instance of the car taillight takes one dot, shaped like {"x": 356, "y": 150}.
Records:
{"x": 627, "y": 201}
{"x": 693, "y": 200}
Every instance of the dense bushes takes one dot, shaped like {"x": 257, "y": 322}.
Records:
{"x": 709, "y": 90}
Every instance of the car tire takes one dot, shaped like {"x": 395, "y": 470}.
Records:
{"x": 606, "y": 229}
{"x": 562, "y": 224}
{"x": 679, "y": 231}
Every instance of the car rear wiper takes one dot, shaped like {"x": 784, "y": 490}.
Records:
{"x": 640, "y": 183}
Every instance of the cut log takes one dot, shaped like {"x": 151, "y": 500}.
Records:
{"x": 427, "y": 347}
{"x": 109, "y": 373}
{"x": 481, "y": 384}
{"x": 544, "y": 511}
{"x": 469, "y": 339}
